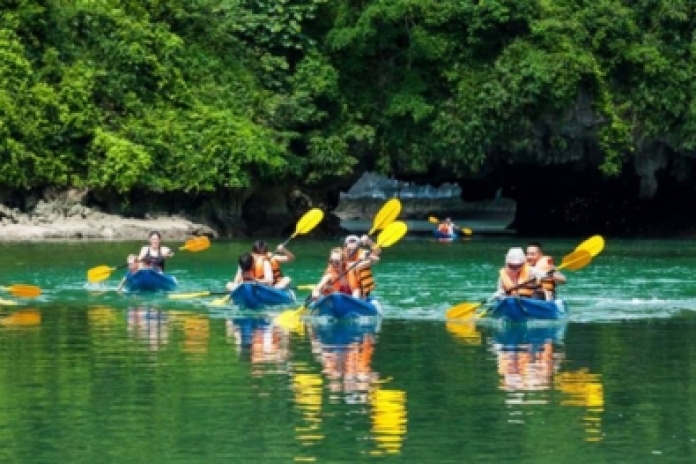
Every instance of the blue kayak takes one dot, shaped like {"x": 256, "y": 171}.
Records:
{"x": 339, "y": 305}
{"x": 519, "y": 309}
{"x": 439, "y": 234}
{"x": 149, "y": 280}
{"x": 256, "y": 296}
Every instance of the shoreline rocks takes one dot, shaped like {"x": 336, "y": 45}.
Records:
{"x": 104, "y": 227}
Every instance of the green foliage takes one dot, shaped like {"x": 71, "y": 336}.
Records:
{"x": 197, "y": 95}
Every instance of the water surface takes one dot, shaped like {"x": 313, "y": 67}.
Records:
{"x": 90, "y": 375}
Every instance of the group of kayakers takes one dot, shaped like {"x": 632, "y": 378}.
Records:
{"x": 348, "y": 270}
{"x": 529, "y": 274}
{"x": 262, "y": 267}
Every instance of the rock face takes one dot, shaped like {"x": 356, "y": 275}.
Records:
{"x": 63, "y": 215}
{"x": 421, "y": 201}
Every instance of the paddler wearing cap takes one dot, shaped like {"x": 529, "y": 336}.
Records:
{"x": 517, "y": 278}
{"x": 359, "y": 262}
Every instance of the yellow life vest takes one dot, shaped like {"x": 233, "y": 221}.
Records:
{"x": 525, "y": 289}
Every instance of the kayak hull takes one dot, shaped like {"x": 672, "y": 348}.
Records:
{"x": 339, "y": 306}
{"x": 149, "y": 280}
{"x": 439, "y": 234}
{"x": 257, "y": 296}
{"x": 517, "y": 309}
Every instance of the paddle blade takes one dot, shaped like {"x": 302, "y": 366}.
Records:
{"x": 594, "y": 245}
{"x": 186, "y": 296}
{"x": 288, "y": 320}
{"x": 386, "y": 215}
{"x": 305, "y": 287}
{"x": 463, "y": 310}
{"x": 221, "y": 301}
{"x": 99, "y": 273}
{"x": 433, "y": 220}
{"x": 196, "y": 244}
{"x": 391, "y": 234}
{"x": 309, "y": 221}
{"x": 23, "y": 290}
{"x": 467, "y": 231}
{"x": 576, "y": 260}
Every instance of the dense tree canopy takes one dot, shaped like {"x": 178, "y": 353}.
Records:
{"x": 196, "y": 95}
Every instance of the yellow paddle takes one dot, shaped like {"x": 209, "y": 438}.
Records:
{"x": 305, "y": 225}
{"x": 23, "y": 290}
{"x": 572, "y": 261}
{"x": 465, "y": 230}
{"x": 594, "y": 245}
{"x": 99, "y": 273}
{"x": 386, "y": 215}
{"x": 388, "y": 237}
{"x": 202, "y": 293}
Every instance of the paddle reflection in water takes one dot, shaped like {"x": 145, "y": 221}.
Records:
{"x": 196, "y": 330}
{"x": 465, "y": 331}
{"x": 21, "y": 318}
{"x": 345, "y": 351}
{"x": 263, "y": 344}
{"x": 585, "y": 390}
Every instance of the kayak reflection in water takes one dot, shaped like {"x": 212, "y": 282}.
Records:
{"x": 345, "y": 352}
{"x": 150, "y": 325}
{"x": 527, "y": 356}
{"x": 266, "y": 346}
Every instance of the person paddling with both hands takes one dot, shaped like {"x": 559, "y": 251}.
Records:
{"x": 517, "y": 278}
{"x": 335, "y": 278}
{"x": 262, "y": 267}
{"x": 547, "y": 285}
{"x": 349, "y": 269}
{"x": 447, "y": 227}
{"x": 151, "y": 256}
{"x": 359, "y": 261}
{"x": 154, "y": 254}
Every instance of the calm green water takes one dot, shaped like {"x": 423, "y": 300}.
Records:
{"x": 88, "y": 375}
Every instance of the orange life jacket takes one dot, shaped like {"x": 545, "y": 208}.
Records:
{"x": 259, "y": 261}
{"x": 275, "y": 267}
{"x": 337, "y": 283}
{"x": 444, "y": 229}
{"x": 524, "y": 290}
{"x": 361, "y": 278}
